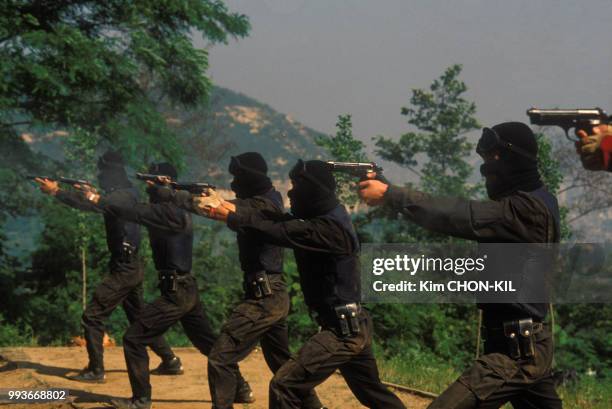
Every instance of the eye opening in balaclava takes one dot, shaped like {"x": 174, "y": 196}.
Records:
{"x": 250, "y": 175}
{"x": 515, "y": 166}
{"x": 314, "y": 189}
{"x": 156, "y": 192}
{"x": 491, "y": 141}
{"x": 111, "y": 171}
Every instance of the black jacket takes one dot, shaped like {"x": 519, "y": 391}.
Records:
{"x": 170, "y": 230}
{"x": 119, "y": 231}
{"x": 325, "y": 247}
{"x": 523, "y": 217}
{"x": 255, "y": 254}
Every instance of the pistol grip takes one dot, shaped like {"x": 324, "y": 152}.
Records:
{"x": 588, "y": 129}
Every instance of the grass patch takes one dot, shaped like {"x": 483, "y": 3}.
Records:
{"x": 430, "y": 374}
{"x": 418, "y": 371}
{"x": 588, "y": 393}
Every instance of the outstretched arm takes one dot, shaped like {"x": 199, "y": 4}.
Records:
{"x": 317, "y": 234}
{"x": 73, "y": 199}
{"x": 164, "y": 216}
{"x": 509, "y": 219}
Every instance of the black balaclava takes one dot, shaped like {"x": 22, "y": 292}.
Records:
{"x": 155, "y": 191}
{"x": 517, "y": 166}
{"x": 111, "y": 172}
{"x": 250, "y": 175}
{"x": 314, "y": 189}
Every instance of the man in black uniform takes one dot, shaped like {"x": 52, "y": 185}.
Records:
{"x": 171, "y": 236}
{"x": 326, "y": 251}
{"x": 521, "y": 210}
{"x": 124, "y": 284}
{"x": 261, "y": 316}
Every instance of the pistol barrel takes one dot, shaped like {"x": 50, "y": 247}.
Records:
{"x": 70, "y": 181}
{"x": 557, "y": 116}
{"x": 365, "y": 167}
{"x": 193, "y": 187}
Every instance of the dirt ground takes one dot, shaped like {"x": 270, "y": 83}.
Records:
{"x": 41, "y": 368}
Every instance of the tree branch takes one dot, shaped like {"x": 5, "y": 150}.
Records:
{"x": 587, "y": 211}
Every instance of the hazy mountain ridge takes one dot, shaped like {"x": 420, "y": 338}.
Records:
{"x": 235, "y": 123}
{"x": 232, "y": 123}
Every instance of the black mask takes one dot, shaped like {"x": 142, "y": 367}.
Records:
{"x": 517, "y": 166}
{"x": 112, "y": 180}
{"x": 247, "y": 185}
{"x": 313, "y": 192}
{"x": 157, "y": 193}
{"x": 111, "y": 172}
{"x": 497, "y": 181}
{"x": 163, "y": 169}
{"x": 250, "y": 175}
{"x": 298, "y": 198}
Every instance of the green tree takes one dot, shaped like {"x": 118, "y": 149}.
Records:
{"x": 82, "y": 62}
{"x": 100, "y": 71}
{"x": 442, "y": 117}
{"x": 550, "y": 170}
{"x": 344, "y": 147}
{"x": 96, "y": 65}
{"x": 437, "y": 153}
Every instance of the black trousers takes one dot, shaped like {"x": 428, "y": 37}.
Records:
{"x": 182, "y": 304}
{"x": 495, "y": 379}
{"x": 252, "y": 321}
{"x": 319, "y": 358}
{"x": 122, "y": 287}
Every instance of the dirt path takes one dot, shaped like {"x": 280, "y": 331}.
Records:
{"x": 47, "y": 367}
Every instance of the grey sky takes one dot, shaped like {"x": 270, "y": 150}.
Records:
{"x": 316, "y": 59}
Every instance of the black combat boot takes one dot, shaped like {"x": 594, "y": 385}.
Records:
{"x": 244, "y": 394}
{"x": 95, "y": 375}
{"x": 133, "y": 403}
{"x": 171, "y": 367}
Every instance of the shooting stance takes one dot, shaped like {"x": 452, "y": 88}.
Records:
{"x": 326, "y": 249}
{"x": 262, "y": 315}
{"x": 516, "y": 365}
{"x": 171, "y": 236}
{"x": 123, "y": 286}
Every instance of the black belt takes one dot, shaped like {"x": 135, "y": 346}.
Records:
{"x": 170, "y": 274}
{"x": 498, "y": 331}
{"x": 253, "y": 275}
